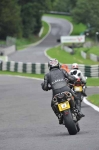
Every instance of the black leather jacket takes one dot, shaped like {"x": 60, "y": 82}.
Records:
{"x": 56, "y": 78}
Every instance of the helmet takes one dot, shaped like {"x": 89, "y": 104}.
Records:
{"x": 65, "y": 67}
{"x": 74, "y": 66}
{"x": 53, "y": 63}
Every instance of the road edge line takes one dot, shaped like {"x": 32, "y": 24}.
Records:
{"x": 90, "y": 104}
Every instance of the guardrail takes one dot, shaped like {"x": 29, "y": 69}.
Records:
{"x": 38, "y": 68}
{"x": 92, "y": 57}
{"x": 4, "y": 51}
{"x": 83, "y": 54}
{"x": 35, "y": 68}
{"x": 59, "y": 13}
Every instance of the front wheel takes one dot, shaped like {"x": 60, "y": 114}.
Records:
{"x": 78, "y": 127}
{"x": 69, "y": 123}
{"x": 79, "y": 101}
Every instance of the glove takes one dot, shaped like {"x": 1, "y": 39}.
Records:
{"x": 48, "y": 88}
{"x": 42, "y": 85}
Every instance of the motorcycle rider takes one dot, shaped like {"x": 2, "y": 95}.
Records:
{"x": 76, "y": 72}
{"x": 56, "y": 79}
{"x": 65, "y": 67}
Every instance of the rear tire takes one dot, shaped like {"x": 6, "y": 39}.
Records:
{"x": 69, "y": 123}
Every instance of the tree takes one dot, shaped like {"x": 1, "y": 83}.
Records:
{"x": 10, "y": 21}
{"x": 62, "y": 6}
{"x": 44, "y": 4}
{"x": 87, "y": 12}
{"x": 28, "y": 21}
{"x": 31, "y": 19}
{"x": 79, "y": 13}
{"x": 31, "y": 14}
{"x": 72, "y": 3}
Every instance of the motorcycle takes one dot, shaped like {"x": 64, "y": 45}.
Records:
{"x": 69, "y": 118}
{"x": 78, "y": 88}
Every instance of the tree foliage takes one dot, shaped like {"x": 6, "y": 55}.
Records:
{"x": 64, "y": 5}
{"x": 61, "y": 6}
{"x": 31, "y": 19}
{"x": 87, "y": 12}
{"x": 10, "y": 21}
{"x": 31, "y": 14}
{"x": 22, "y": 17}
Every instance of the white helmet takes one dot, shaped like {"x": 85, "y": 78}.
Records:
{"x": 74, "y": 66}
{"x": 53, "y": 63}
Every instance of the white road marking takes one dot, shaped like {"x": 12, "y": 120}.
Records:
{"x": 90, "y": 104}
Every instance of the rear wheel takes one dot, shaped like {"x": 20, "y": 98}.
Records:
{"x": 69, "y": 123}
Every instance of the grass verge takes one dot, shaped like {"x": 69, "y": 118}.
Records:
{"x": 94, "y": 99}
{"x": 22, "y": 74}
{"x": 65, "y": 57}
{"x": 2, "y": 42}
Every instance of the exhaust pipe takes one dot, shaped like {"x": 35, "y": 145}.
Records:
{"x": 55, "y": 100}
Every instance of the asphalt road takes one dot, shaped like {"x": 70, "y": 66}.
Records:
{"x": 26, "y": 119}
{"x": 28, "y": 123}
{"x": 34, "y": 54}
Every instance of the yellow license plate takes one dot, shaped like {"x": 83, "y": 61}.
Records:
{"x": 78, "y": 88}
{"x": 63, "y": 106}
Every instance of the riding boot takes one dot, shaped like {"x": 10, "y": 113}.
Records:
{"x": 77, "y": 101}
{"x": 55, "y": 110}
{"x": 72, "y": 104}
{"x": 78, "y": 104}
{"x": 78, "y": 107}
